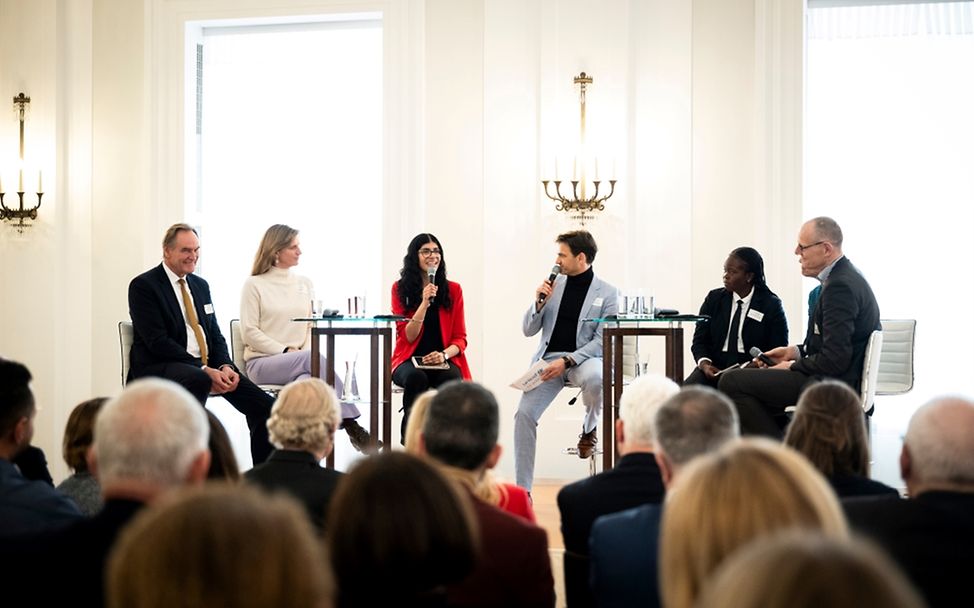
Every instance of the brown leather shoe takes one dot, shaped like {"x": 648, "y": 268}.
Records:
{"x": 586, "y": 444}
{"x": 359, "y": 437}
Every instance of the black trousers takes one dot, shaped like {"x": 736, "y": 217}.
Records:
{"x": 415, "y": 382}
{"x": 761, "y": 396}
{"x": 247, "y": 399}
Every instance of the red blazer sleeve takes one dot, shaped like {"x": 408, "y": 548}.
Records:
{"x": 454, "y": 326}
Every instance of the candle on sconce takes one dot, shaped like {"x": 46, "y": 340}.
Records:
{"x": 556, "y": 168}
{"x": 613, "y": 169}
{"x": 40, "y": 183}
{"x": 596, "y": 169}
{"x": 575, "y": 168}
{"x": 1, "y": 184}
{"x": 20, "y": 182}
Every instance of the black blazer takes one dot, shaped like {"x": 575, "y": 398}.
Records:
{"x": 635, "y": 481}
{"x": 160, "y": 331}
{"x": 931, "y": 537}
{"x": 769, "y": 332}
{"x": 845, "y": 315}
{"x": 300, "y": 475}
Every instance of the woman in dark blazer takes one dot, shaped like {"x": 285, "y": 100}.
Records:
{"x": 435, "y": 330}
{"x": 746, "y": 299}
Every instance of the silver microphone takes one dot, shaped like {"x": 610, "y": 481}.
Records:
{"x": 756, "y": 353}
{"x": 431, "y": 272}
{"x": 555, "y": 271}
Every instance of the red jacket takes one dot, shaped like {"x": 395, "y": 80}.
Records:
{"x": 452, "y": 324}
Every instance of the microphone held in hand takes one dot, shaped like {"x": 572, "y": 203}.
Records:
{"x": 431, "y": 271}
{"x": 555, "y": 271}
{"x": 756, "y": 353}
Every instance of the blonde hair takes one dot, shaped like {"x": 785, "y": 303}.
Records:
{"x": 305, "y": 416}
{"x": 198, "y": 549}
{"x": 417, "y": 418}
{"x": 276, "y": 238}
{"x": 747, "y": 490}
{"x": 809, "y": 570}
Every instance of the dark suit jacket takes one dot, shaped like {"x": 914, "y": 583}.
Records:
{"x": 849, "y": 486}
{"x": 66, "y": 567}
{"x": 845, "y": 315}
{"x": 634, "y": 481}
{"x": 625, "y": 548}
{"x": 769, "y": 332}
{"x": 160, "y": 331}
{"x": 931, "y": 537}
{"x": 514, "y": 568}
{"x": 299, "y": 474}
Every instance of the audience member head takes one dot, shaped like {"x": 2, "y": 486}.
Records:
{"x": 417, "y": 418}
{"x": 304, "y": 417}
{"x": 150, "y": 438}
{"x": 402, "y": 524}
{"x": 938, "y": 450}
{"x": 819, "y": 244}
{"x": 637, "y": 406}
{"x": 181, "y": 249}
{"x": 78, "y": 433}
{"x": 423, "y": 252}
{"x": 805, "y": 570}
{"x": 697, "y": 420}
{"x": 223, "y": 462}
{"x": 222, "y": 545}
{"x": 828, "y": 428}
{"x": 17, "y": 409}
{"x": 747, "y": 490}
{"x": 277, "y": 238}
{"x": 461, "y": 427}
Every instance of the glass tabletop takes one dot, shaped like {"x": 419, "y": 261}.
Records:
{"x": 630, "y": 319}
{"x": 351, "y": 319}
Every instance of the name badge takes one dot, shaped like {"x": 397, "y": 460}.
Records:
{"x": 757, "y": 315}
{"x": 597, "y": 302}
{"x": 208, "y": 309}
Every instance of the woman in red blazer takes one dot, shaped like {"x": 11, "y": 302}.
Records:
{"x": 435, "y": 332}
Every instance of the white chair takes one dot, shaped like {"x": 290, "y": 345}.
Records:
{"x": 125, "y": 337}
{"x": 870, "y": 371}
{"x": 896, "y": 357}
{"x": 237, "y": 354}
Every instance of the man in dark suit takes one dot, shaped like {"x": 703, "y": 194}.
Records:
{"x": 931, "y": 534}
{"x": 844, "y": 318}
{"x": 177, "y": 336}
{"x": 148, "y": 441}
{"x": 624, "y": 546}
{"x": 513, "y": 569}
{"x": 744, "y": 314}
{"x": 634, "y": 481}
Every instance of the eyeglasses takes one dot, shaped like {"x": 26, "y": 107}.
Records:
{"x": 802, "y": 248}
{"x": 428, "y": 252}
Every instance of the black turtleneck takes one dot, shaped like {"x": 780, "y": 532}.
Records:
{"x": 566, "y": 324}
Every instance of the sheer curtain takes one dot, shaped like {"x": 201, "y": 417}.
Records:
{"x": 889, "y": 151}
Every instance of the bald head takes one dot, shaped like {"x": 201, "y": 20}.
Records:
{"x": 938, "y": 450}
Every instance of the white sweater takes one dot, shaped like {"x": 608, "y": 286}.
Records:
{"x": 268, "y": 302}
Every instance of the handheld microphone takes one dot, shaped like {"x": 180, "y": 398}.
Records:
{"x": 756, "y": 353}
{"x": 555, "y": 271}
{"x": 431, "y": 272}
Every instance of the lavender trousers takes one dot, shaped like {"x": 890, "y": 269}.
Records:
{"x": 288, "y": 367}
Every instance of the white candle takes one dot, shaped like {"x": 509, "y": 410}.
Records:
{"x": 40, "y": 183}
{"x": 575, "y": 168}
{"x": 1, "y": 185}
{"x": 596, "y": 169}
{"x": 613, "y": 169}
{"x": 20, "y": 182}
{"x": 556, "y": 168}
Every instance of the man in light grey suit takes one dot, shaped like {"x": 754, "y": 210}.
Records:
{"x": 571, "y": 347}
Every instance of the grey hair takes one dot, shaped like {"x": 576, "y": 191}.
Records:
{"x": 695, "y": 421}
{"x": 151, "y": 432}
{"x": 827, "y": 229}
{"x": 305, "y": 416}
{"x": 940, "y": 441}
{"x": 639, "y": 403}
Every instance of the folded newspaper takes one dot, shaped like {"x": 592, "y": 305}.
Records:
{"x": 531, "y": 378}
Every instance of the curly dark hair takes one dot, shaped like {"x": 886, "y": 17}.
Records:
{"x": 411, "y": 275}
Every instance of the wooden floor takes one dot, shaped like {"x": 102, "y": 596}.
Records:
{"x": 546, "y": 510}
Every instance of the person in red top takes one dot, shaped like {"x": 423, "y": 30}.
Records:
{"x": 435, "y": 332}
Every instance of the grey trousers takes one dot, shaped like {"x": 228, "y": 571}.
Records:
{"x": 288, "y": 367}
{"x": 588, "y": 377}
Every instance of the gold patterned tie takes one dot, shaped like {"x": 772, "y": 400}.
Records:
{"x": 193, "y": 321}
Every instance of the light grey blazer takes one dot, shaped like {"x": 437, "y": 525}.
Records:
{"x": 600, "y": 301}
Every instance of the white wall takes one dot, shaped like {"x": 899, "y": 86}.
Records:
{"x": 479, "y": 98}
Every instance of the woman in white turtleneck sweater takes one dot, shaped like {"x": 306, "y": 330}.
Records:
{"x": 276, "y": 349}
